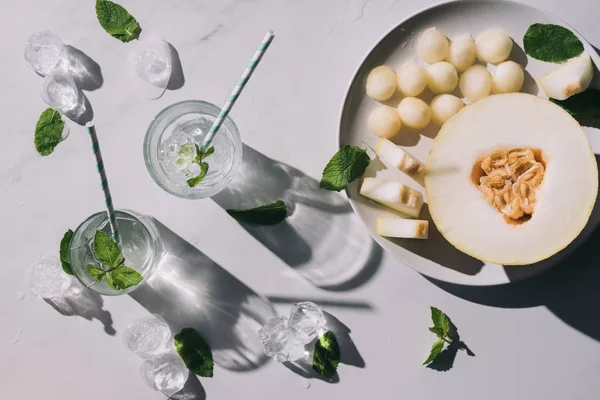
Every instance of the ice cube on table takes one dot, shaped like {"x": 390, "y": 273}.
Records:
{"x": 166, "y": 373}
{"x": 47, "y": 279}
{"x": 176, "y": 155}
{"x": 59, "y": 91}
{"x": 45, "y": 53}
{"x": 280, "y": 341}
{"x": 308, "y": 320}
{"x": 147, "y": 336}
{"x": 151, "y": 60}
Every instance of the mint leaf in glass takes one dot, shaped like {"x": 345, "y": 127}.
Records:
{"x": 270, "y": 214}
{"x": 48, "y": 131}
{"x": 552, "y": 43}
{"x": 64, "y": 252}
{"x": 435, "y": 351}
{"x": 110, "y": 282}
{"x": 124, "y": 277}
{"x": 194, "y": 352}
{"x": 95, "y": 272}
{"x": 199, "y": 159}
{"x": 117, "y": 21}
{"x": 326, "y": 356}
{"x": 348, "y": 164}
{"x": 584, "y": 104}
{"x": 106, "y": 249}
{"x": 197, "y": 179}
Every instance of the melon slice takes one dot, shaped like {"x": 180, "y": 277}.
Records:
{"x": 571, "y": 78}
{"x": 402, "y": 228}
{"x": 396, "y": 156}
{"x": 394, "y": 195}
{"x": 511, "y": 179}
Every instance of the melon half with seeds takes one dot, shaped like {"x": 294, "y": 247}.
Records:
{"x": 511, "y": 179}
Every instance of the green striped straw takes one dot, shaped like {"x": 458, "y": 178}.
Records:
{"x": 112, "y": 218}
{"x": 238, "y": 88}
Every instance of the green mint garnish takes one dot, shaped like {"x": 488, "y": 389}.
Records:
{"x": 348, "y": 164}
{"x": 64, "y": 252}
{"x": 270, "y": 214}
{"x": 441, "y": 328}
{"x": 326, "y": 356}
{"x": 552, "y": 43}
{"x": 194, "y": 352}
{"x": 199, "y": 159}
{"x": 584, "y": 104}
{"x": 48, "y": 131}
{"x": 118, "y": 276}
{"x": 117, "y": 21}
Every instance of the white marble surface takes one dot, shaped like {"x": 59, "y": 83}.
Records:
{"x": 533, "y": 340}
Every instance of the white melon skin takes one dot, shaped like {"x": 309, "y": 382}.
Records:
{"x": 402, "y": 228}
{"x": 384, "y": 122}
{"x": 493, "y": 46}
{"x": 394, "y": 195}
{"x": 462, "y": 52}
{"x": 571, "y": 78}
{"x": 412, "y": 78}
{"x": 381, "y": 83}
{"x": 565, "y": 198}
{"x": 397, "y": 157}
{"x": 433, "y": 46}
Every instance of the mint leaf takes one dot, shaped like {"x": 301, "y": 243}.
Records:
{"x": 552, "y": 43}
{"x": 109, "y": 281}
{"x": 326, "y": 356}
{"x": 196, "y": 180}
{"x": 117, "y": 21}
{"x": 124, "y": 277}
{"x": 584, "y": 104}
{"x": 48, "y": 131}
{"x": 64, "y": 252}
{"x": 435, "y": 351}
{"x": 194, "y": 352}
{"x": 270, "y": 214}
{"x": 439, "y": 332}
{"x": 201, "y": 155}
{"x": 106, "y": 249}
{"x": 95, "y": 272}
{"x": 348, "y": 164}
{"x": 441, "y": 324}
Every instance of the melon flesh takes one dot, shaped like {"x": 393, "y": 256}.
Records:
{"x": 563, "y": 200}
{"x": 394, "y": 195}
{"x": 396, "y": 156}
{"x": 402, "y": 228}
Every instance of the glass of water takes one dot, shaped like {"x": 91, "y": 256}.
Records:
{"x": 142, "y": 248}
{"x": 171, "y": 145}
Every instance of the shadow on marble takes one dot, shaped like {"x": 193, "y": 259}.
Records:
{"x": 321, "y": 239}
{"x": 191, "y": 290}
{"x": 82, "y": 113}
{"x": 85, "y": 71}
{"x": 354, "y": 305}
{"x": 193, "y": 390}
{"x": 349, "y": 354}
{"x": 177, "y": 79}
{"x": 80, "y": 301}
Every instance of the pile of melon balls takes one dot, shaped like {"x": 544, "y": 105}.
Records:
{"x": 446, "y": 59}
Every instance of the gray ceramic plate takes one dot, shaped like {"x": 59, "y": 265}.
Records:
{"x": 435, "y": 257}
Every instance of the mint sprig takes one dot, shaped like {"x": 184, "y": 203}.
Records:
{"x": 118, "y": 276}
{"x": 552, "y": 43}
{"x": 194, "y": 352}
{"x": 270, "y": 214}
{"x": 347, "y": 165}
{"x": 326, "y": 356}
{"x": 117, "y": 21}
{"x": 64, "y": 252}
{"x": 199, "y": 159}
{"x": 48, "y": 131}
{"x": 441, "y": 328}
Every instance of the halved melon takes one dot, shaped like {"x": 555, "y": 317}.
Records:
{"x": 511, "y": 179}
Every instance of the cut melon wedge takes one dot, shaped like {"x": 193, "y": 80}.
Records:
{"x": 571, "y": 78}
{"x": 394, "y": 195}
{"x": 402, "y": 228}
{"x": 514, "y": 228}
{"x": 397, "y": 157}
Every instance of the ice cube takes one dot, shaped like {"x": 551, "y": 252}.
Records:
{"x": 151, "y": 59}
{"x": 60, "y": 91}
{"x": 176, "y": 155}
{"x": 45, "y": 53}
{"x": 166, "y": 373}
{"x": 147, "y": 336}
{"x": 308, "y": 320}
{"x": 279, "y": 341}
{"x": 47, "y": 279}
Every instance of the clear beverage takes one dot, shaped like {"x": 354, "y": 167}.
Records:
{"x": 141, "y": 248}
{"x": 171, "y": 145}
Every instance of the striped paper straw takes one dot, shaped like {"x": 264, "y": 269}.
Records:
{"x": 238, "y": 88}
{"x": 112, "y": 218}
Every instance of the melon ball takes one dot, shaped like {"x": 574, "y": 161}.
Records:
{"x": 414, "y": 112}
{"x": 493, "y": 46}
{"x": 462, "y": 52}
{"x": 509, "y": 77}
{"x": 476, "y": 83}
{"x": 432, "y": 46}
{"x": 381, "y": 83}
{"x": 384, "y": 122}
{"x": 444, "y": 106}
{"x": 442, "y": 77}
{"x": 412, "y": 78}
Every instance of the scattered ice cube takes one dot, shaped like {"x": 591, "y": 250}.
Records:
{"x": 176, "y": 154}
{"x": 196, "y": 128}
{"x": 47, "y": 279}
{"x": 307, "y": 319}
{"x": 166, "y": 373}
{"x": 45, "y": 53}
{"x": 280, "y": 341}
{"x": 147, "y": 336}
{"x": 60, "y": 91}
{"x": 151, "y": 59}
